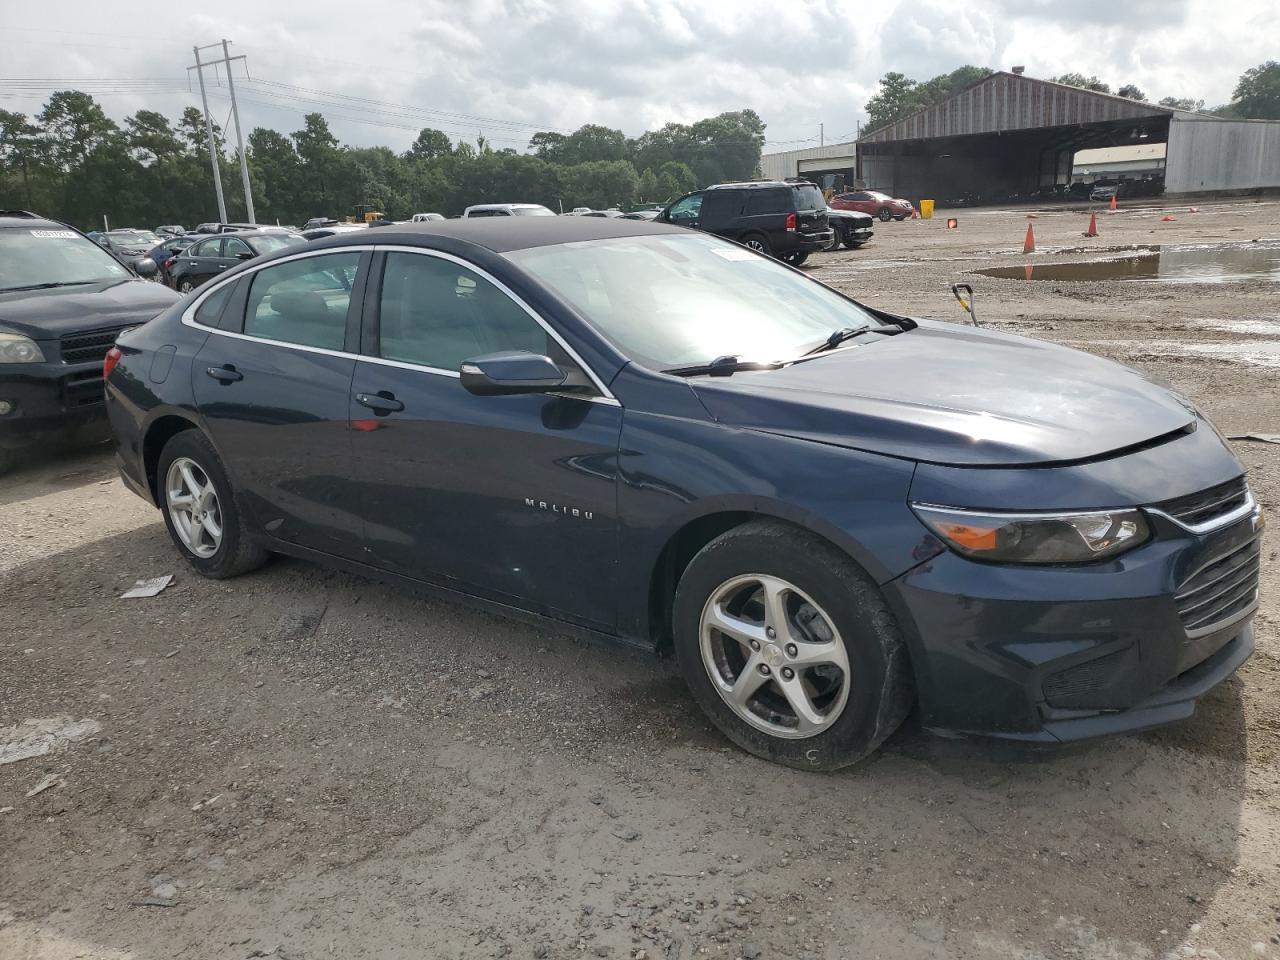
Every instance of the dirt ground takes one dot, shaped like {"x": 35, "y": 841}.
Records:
{"x": 303, "y": 764}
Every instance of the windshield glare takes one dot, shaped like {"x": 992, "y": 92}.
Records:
{"x": 672, "y": 301}
{"x": 32, "y": 257}
{"x": 131, "y": 237}
{"x": 277, "y": 241}
{"x": 809, "y": 198}
{"x": 532, "y": 212}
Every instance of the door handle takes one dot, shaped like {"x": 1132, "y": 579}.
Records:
{"x": 381, "y": 403}
{"x": 225, "y": 374}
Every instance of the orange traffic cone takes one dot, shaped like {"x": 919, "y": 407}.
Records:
{"x": 915, "y": 214}
{"x": 1029, "y": 245}
{"x": 1114, "y": 205}
{"x": 1093, "y": 226}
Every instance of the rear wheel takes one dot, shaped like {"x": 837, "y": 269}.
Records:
{"x": 758, "y": 242}
{"x": 185, "y": 285}
{"x": 885, "y": 214}
{"x": 790, "y": 648}
{"x": 200, "y": 511}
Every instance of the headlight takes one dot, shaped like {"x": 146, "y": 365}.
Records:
{"x": 1036, "y": 537}
{"x": 15, "y": 348}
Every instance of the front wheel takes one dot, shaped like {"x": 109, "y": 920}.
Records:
{"x": 885, "y": 214}
{"x": 789, "y": 647}
{"x": 797, "y": 258}
{"x": 200, "y": 511}
{"x": 835, "y": 241}
{"x": 758, "y": 242}
{"x": 185, "y": 285}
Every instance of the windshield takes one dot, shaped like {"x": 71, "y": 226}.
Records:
{"x": 132, "y": 237}
{"x": 673, "y": 301}
{"x": 31, "y": 258}
{"x": 532, "y": 212}
{"x": 277, "y": 241}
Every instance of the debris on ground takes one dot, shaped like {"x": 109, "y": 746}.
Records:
{"x": 50, "y": 780}
{"x": 1260, "y": 437}
{"x": 40, "y": 736}
{"x": 142, "y": 589}
{"x": 297, "y": 625}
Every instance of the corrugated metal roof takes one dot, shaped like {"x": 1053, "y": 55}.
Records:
{"x": 1008, "y": 101}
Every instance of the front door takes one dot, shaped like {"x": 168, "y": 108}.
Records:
{"x": 272, "y": 385}
{"x": 511, "y": 498}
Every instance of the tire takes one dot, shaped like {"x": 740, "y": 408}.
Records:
{"x": 854, "y": 244}
{"x": 885, "y": 214}
{"x": 725, "y": 581}
{"x": 796, "y": 259}
{"x": 759, "y": 243}
{"x": 834, "y": 245}
{"x": 232, "y": 552}
{"x": 185, "y": 285}
{"x": 8, "y": 460}
{"x": 901, "y": 217}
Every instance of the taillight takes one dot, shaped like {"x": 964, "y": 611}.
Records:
{"x": 791, "y": 222}
{"x": 110, "y": 360}
{"x": 168, "y": 264}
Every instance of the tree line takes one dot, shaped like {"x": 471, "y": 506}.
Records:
{"x": 1256, "y": 95}
{"x": 72, "y": 162}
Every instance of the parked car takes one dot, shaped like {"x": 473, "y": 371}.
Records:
{"x": 668, "y": 440}
{"x": 787, "y": 220}
{"x": 850, "y": 228}
{"x": 316, "y": 222}
{"x": 166, "y": 252}
{"x": 319, "y": 233}
{"x": 170, "y": 230}
{"x": 1104, "y": 192}
{"x": 874, "y": 203}
{"x": 214, "y": 255}
{"x": 427, "y": 217}
{"x": 506, "y": 210}
{"x": 641, "y": 215}
{"x": 128, "y": 244}
{"x": 63, "y": 300}
{"x": 602, "y": 213}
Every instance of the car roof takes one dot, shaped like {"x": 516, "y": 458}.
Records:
{"x": 19, "y": 219}
{"x": 504, "y": 235}
{"x": 757, "y": 185}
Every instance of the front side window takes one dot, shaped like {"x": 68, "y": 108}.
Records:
{"x": 303, "y": 301}
{"x": 53, "y": 256}
{"x": 437, "y": 313}
{"x": 234, "y": 246}
{"x": 206, "y": 248}
{"x": 671, "y": 301}
{"x": 686, "y": 208}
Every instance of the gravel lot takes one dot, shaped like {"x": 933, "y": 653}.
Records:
{"x": 303, "y": 764}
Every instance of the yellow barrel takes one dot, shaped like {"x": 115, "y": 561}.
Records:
{"x": 926, "y": 209}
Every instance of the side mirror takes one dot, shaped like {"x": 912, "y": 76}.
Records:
{"x": 144, "y": 267}
{"x": 244, "y": 255}
{"x": 512, "y": 372}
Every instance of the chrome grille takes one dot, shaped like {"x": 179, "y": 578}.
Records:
{"x": 91, "y": 346}
{"x": 1207, "y": 505}
{"x": 1220, "y": 591}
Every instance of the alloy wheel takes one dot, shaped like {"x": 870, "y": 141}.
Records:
{"x": 193, "y": 507}
{"x": 774, "y": 656}
{"x": 754, "y": 243}
{"x": 186, "y": 286}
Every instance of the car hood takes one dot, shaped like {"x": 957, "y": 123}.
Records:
{"x": 53, "y": 313}
{"x": 945, "y": 393}
{"x": 863, "y": 218}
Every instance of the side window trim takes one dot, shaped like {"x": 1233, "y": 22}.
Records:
{"x": 371, "y": 344}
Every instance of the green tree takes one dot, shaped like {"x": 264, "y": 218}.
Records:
{"x": 1257, "y": 95}
{"x": 74, "y": 125}
{"x": 893, "y": 100}
{"x": 648, "y": 190}
{"x": 1182, "y": 103}
{"x": 675, "y": 179}
{"x": 1083, "y": 82}
{"x": 1131, "y": 91}
{"x": 431, "y": 144}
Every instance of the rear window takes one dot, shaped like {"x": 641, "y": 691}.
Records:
{"x": 273, "y": 242}
{"x": 808, "y": 198}
{"x": 532, "y": 212}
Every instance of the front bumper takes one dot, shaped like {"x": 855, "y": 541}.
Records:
{"x": 51, "y": 402}
{"x": 1057, "y": 654}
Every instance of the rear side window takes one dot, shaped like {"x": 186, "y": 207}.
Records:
{"x": 206, "y": 248}
{"x": 209, "y": 312}
{"x": 437, "y": 313}
{"x": 769, "y": 201}
{"x": 303, "y": 301}
{"x": 234, "y": 246}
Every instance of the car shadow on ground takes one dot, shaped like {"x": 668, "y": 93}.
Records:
{"x": 342, "y": 724}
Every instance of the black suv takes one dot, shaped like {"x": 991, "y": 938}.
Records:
{"x": 63, "y": 300}
{"x": 787, "y": 220}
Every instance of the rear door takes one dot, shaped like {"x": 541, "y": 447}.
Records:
{"x": 200, "y": 262}
{"x": 766, "y": 212}
{"x": 510, "y": 498}
{"x": 272, "y": 384}
{"x": 234, "y": 252}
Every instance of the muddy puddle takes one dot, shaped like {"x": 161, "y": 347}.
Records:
{"x": 1221, "y": 264}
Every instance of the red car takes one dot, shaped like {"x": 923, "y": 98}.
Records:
{"x": 877, "y": 204}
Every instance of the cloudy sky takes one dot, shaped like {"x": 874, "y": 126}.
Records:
{"x": 504, "y": 68}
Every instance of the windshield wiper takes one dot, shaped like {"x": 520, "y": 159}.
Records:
{"x": 50, "y": 286}
{"x": 848, "y": 333}
{"x": 723, "y": 367}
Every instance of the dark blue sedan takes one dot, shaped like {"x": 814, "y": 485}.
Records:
{"x": 832, "y": 514}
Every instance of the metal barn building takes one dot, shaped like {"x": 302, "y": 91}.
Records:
{"x": 1013, "y": 135}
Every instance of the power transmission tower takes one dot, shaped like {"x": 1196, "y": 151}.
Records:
{"x": 235, "y": 112}
{"x": 208, "y": 129}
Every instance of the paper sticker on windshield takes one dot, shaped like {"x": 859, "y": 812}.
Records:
{"x": 55, "y": 234}
{"x": 733, "y": 254}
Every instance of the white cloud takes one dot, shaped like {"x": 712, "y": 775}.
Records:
{"x": 633, "y": 64}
